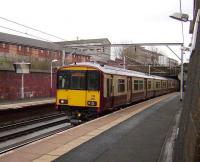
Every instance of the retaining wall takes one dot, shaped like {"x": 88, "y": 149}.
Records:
{"x": 36, "y": 84}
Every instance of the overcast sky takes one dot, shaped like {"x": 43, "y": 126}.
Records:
{"x": 121, "y": 21}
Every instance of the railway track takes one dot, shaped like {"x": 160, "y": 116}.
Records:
{"x": 16, "y": 135}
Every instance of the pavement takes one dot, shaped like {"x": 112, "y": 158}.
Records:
{"x": 138, "y": 139}
{"x": 25, "y": 103}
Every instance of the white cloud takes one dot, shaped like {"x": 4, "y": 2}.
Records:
{"x": 118, "y": 20}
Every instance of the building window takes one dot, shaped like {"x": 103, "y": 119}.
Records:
{"x": 121, "y": 85}
{"x": 4, "y": 45}
{"x": 98, "y": 50}
{"x": 41, "y": 51}
{"x": 19, "y": 48}
{"x": 27, "y": 49}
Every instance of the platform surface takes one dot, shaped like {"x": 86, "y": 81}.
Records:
{"x": 134, "y": 134}
{"x": 138, "y": 139}
{"x": 25, "y": 103}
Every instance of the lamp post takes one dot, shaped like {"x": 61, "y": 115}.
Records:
{"x": 183, "y": 18}
{"x": 52, "y": 61}
{"x": 181, "y": 85}
{"x": 149, "y": 69}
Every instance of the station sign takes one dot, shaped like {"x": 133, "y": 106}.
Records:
{"x": 22, "y": 67}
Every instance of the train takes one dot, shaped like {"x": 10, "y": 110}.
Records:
{"x": 89, "y": 88}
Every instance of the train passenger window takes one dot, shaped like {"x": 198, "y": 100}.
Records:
{"x": 129, "y": 84}
{"x": 121, "y": 85}
{"x": 164, "y": 85}
{"x": 136, "y": 87}
{"x": 108, "y": 88}
{"x": 157, "y": 85}
{"x": 140, "y": 84}
{"x": 63, "y": 80}
{"x": 149, "y": 84}
{"x": 78, "y": 79}
{"x": 93, "y": 80}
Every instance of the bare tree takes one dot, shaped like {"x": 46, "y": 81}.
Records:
{"x": 118, "y": 52}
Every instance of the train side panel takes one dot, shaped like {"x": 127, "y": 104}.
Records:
{"x": 106, "y": 92}
{"x": 119, "y": 90}
{"x": 150, "y": 88}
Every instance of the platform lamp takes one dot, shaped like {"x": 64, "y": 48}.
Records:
{"x": 22, "y": 68}
{"x": 183, "y": 18}
{"x": 52, "y": 61}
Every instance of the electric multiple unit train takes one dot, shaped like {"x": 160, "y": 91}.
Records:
{"x": 89, "y": 88}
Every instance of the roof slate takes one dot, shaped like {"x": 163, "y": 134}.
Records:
{"x": 85, "y": 41}
{"x": 14, "y": 39}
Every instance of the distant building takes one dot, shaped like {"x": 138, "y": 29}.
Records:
{"x": 165, "y": 61}
{"x": 96, "y": 49}
{"x": 140, "y": 55}
{"x": 172, "y": 62}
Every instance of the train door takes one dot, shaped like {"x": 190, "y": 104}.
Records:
{"x": 128, "y": 89}
{"x": 108, "y": 91}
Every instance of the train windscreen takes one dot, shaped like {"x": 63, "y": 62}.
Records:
{"x": 78, "y": 80}
{"x": 93, "y": 80}
{"x": 63, "y": 80}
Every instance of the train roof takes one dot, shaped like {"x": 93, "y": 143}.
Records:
{"x": 119, "y": 71}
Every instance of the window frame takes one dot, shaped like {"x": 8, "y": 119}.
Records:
{"x": 120, "y": 85}
{"x": 138, "y": 85}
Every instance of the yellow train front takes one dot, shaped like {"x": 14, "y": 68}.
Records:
{"x": 78, "y": 90}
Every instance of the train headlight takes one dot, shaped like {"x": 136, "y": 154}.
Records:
{"x": 92, "y": 103}
{"x": 63, "y": 101}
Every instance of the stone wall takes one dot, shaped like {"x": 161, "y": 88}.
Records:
{"x": 36, "y": 84}
{"x": 187, "y": 148}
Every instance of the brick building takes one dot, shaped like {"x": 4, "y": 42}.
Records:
{"x": 75, "y": 57}
{"x": 16, "y": 48}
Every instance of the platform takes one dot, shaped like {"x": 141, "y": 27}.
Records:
{"x": 134, "y": 134}
{"x": 25, "y": 103}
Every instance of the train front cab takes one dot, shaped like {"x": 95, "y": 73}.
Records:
{"x": 78, "y": 90}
